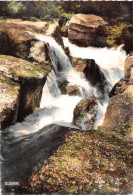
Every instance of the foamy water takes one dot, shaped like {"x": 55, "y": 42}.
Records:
{"x": 110, "y": 60}
{"x": 58, "y": 108}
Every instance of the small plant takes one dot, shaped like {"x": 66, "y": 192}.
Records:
{"x": 116, "y": 34}
{"x": 60, "y": 11}
{"x": 15, "y": 6}
{"x": 63, "y": 28}
{"x": 102, "y": 130}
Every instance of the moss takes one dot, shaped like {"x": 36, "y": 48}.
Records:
{"x": 20, "y": 68}
{"x": 87, "y": 162}
{"x": 102, "y": 130}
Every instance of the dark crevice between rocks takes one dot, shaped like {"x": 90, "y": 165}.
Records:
{"x": 28, "y": 104}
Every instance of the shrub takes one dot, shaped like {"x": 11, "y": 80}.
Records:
{"x": 116, "y": 34}
{"x": 61, "y": 12}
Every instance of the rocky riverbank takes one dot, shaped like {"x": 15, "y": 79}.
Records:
{"x": 87, "y": 160}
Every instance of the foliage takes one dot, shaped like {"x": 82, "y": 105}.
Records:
{"x": 116, "y": 34}
{"x": 87, "y": 162}
{"x": 63, "y": 28}
{"x": 42, "y": 3}
{"x": 61, "y": 12}
{"x": 15, "y": 6}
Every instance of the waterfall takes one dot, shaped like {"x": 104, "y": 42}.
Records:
{"x": 59, "y": 59}
{"x": 58, "y": 108}
{"x": 51, "y": 85}
{"x": 111, "y": 62}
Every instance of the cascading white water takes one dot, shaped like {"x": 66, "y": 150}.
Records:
{"x": 111, "y": 62}
{"x": 51, "y": 85}
{"x": 58, "y": 108}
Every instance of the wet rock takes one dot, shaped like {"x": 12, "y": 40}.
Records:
{"x": 90, "y": 69}
{"x": 79, "y": 64}
{"x": 93, "y": 73}
{"x": 85, "y": 113}
{"x": 72, "y": 90}
{"x": 22, "y": 84}
{"x": 119, "y": 115}
{"x": 62, "y": 85}
{"x": 85, "y": 30}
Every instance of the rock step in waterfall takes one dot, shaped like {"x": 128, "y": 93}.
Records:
{"x": 56, "y": 107}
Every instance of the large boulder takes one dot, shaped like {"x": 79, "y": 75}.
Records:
{"x": 119, "y": 115}
{"x": 85, "y": 113}
{"x": 85, "y": 30}
{"x": 21, "y": 87}
{"x": 88, "y": 163}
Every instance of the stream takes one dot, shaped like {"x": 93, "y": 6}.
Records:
{"x": 25, "y": 143}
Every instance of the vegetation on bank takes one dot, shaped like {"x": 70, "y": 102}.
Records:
{"x": 117, "y": 34}
{"x": 87, "y": 162}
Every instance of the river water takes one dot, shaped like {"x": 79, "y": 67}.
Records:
{"x": 56, "y": 107}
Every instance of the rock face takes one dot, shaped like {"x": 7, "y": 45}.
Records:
{"x": 15, "y": 41}
{"x": 85, "y": 113}
{"x": 85, "y": 30}
{"x": 129, "y": 67}
{"x": 119, "y": 114}
{"x": 9, "y": 100}
{"x": 21, "y": 87}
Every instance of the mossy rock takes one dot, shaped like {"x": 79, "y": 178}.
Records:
{"x": 88, "y": 163}
{"x": 85, "y": 113}
{"x": 30, "y": 77}
{"x": 119, "y": 115}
